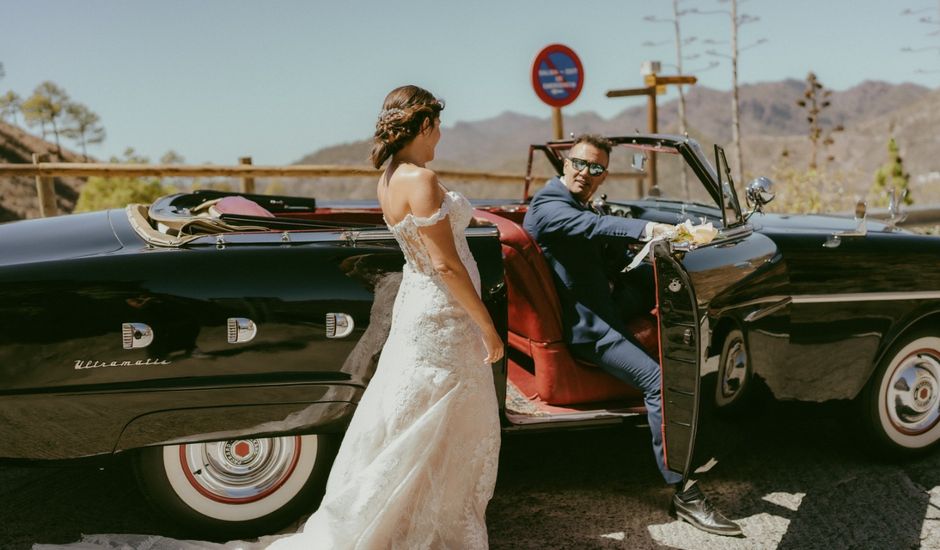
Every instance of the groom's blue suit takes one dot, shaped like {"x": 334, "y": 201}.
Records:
{"x": 572, "y": 239}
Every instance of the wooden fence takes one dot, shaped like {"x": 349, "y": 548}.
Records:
{"x": 246, "y": 171}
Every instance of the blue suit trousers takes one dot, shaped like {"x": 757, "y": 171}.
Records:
{"x": 620, "y": 357}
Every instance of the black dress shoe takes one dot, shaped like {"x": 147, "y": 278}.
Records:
{"x": 693, "y": 507}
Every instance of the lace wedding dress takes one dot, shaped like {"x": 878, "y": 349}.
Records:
{"x": 418, "y": 462}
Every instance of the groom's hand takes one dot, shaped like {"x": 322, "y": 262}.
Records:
{"x": 655, "y": 229}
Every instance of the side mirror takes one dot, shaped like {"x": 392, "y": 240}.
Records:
{"x": 639, "y": 162}
{"x": 760, "y": 192}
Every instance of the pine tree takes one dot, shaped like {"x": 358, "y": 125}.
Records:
{"x": 10, "y": 105}
{"x": 172, "y": 157}
{"x": 83, "y": 125}
{"x": 46, "y": 106}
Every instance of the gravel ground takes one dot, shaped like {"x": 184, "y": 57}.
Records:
{"x": 792, "y": 474}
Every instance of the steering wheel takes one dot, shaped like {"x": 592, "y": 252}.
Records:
{"x": 602, "y": 207}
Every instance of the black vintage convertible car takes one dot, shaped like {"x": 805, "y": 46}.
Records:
{"x": 224, "y": 339}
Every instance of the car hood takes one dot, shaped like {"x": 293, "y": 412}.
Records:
{"x": 811, "y": 223}
{"x": 58, "y": 238}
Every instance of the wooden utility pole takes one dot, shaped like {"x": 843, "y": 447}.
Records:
{"x": 735, "y": 103}
{"x": 248, "y": 183}
{"x": 655, "y": 85}
{"x": 45, "y": 189}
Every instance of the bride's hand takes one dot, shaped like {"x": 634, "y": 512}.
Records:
{"x": 494, "y": 345}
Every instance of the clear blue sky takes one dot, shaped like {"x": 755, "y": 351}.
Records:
{"x": 217, "y": 79}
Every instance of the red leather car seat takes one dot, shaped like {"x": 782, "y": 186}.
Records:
{"x": 535, "y": 327}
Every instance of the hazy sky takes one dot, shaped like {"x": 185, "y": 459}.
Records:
{"x": 214, "y": 80}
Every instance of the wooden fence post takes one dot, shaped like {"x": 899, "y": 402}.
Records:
{"x": 248, "y": 184}
{"x": 45, "y": 190}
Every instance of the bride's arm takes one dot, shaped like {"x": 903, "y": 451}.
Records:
{"x": 425, "y": 197}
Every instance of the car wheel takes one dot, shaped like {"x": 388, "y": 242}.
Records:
{"x": 237, "y": 488}
{"x": 733, "y": 387}
{"x": 901, "y": 399}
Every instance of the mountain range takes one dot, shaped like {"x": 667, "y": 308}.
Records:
{"x": 771, "y": 123}
{"x": 768, "y": 110}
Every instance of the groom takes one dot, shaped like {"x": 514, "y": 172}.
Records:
{"x": 571, "y": 237}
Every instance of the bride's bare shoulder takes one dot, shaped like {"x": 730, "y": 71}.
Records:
{"x": 415, "y": 176}
{"x": 415, "y": 181}
{"x": 421, "y": 188}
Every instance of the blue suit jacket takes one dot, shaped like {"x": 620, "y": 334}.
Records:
{"x": 572, "y": 238}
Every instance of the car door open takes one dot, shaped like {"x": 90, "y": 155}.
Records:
{"x": 679, "y": 357}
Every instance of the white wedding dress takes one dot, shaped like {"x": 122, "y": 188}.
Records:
{"x": 418, "y": 462}
{"x": 417, "y": 465}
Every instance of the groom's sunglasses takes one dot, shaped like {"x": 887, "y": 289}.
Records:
{"x": 594, "y": 168}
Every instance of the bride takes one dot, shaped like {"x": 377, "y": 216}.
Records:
{"x": 417, "y": 465}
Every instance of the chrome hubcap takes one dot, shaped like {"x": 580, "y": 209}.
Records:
{"x": 912, "y": 394}
{"x": 734, "y": 371}
{"x": 240, "y": 470}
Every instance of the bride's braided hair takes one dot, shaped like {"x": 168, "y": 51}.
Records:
{"x": 403, "y": 116}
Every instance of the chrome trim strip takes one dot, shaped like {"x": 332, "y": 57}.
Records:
{"x": 865, "y": 297}
{"x": 304, "y": 237}
{"x": 597, "y": 417}
{"x": 735, "y": 232}
{"x": 748, "y": 303}
{"x": 779, "y": 301}
{"x": 764, "y": 312}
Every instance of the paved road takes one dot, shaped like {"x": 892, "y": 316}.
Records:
{"x": 791, "y": 473}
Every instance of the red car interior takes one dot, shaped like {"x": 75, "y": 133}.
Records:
{"x": 535, "y": 329}
{"x": 543, "y": 369}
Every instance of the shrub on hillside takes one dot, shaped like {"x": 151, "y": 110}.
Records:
{"x": 811, "y": 191}
{"x": 103, "y": 193}
{"x": 892, "y": 177}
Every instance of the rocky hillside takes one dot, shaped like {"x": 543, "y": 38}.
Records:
{"x": 771, "y": 122}
{"x": 18, "y": 195}
{"x": 767, "y": 110}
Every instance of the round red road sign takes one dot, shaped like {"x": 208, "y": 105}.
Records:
{"x": 557, "y": 75}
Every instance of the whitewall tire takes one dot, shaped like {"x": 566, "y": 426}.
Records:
{"x": 733, "y": 386}
{"x": 247, "y": 486}
{"x": 903, "y": 396}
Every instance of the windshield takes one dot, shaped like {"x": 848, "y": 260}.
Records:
{"x": 730, "y": 206}
{"x": 675, "y": 179}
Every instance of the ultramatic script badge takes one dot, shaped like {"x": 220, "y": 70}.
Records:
{"x": 90, "y": 364}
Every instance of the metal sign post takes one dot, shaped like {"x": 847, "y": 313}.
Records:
{"x": 557, "y": 76}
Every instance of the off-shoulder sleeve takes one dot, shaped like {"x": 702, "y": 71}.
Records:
{"x": 435, "y": 217}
